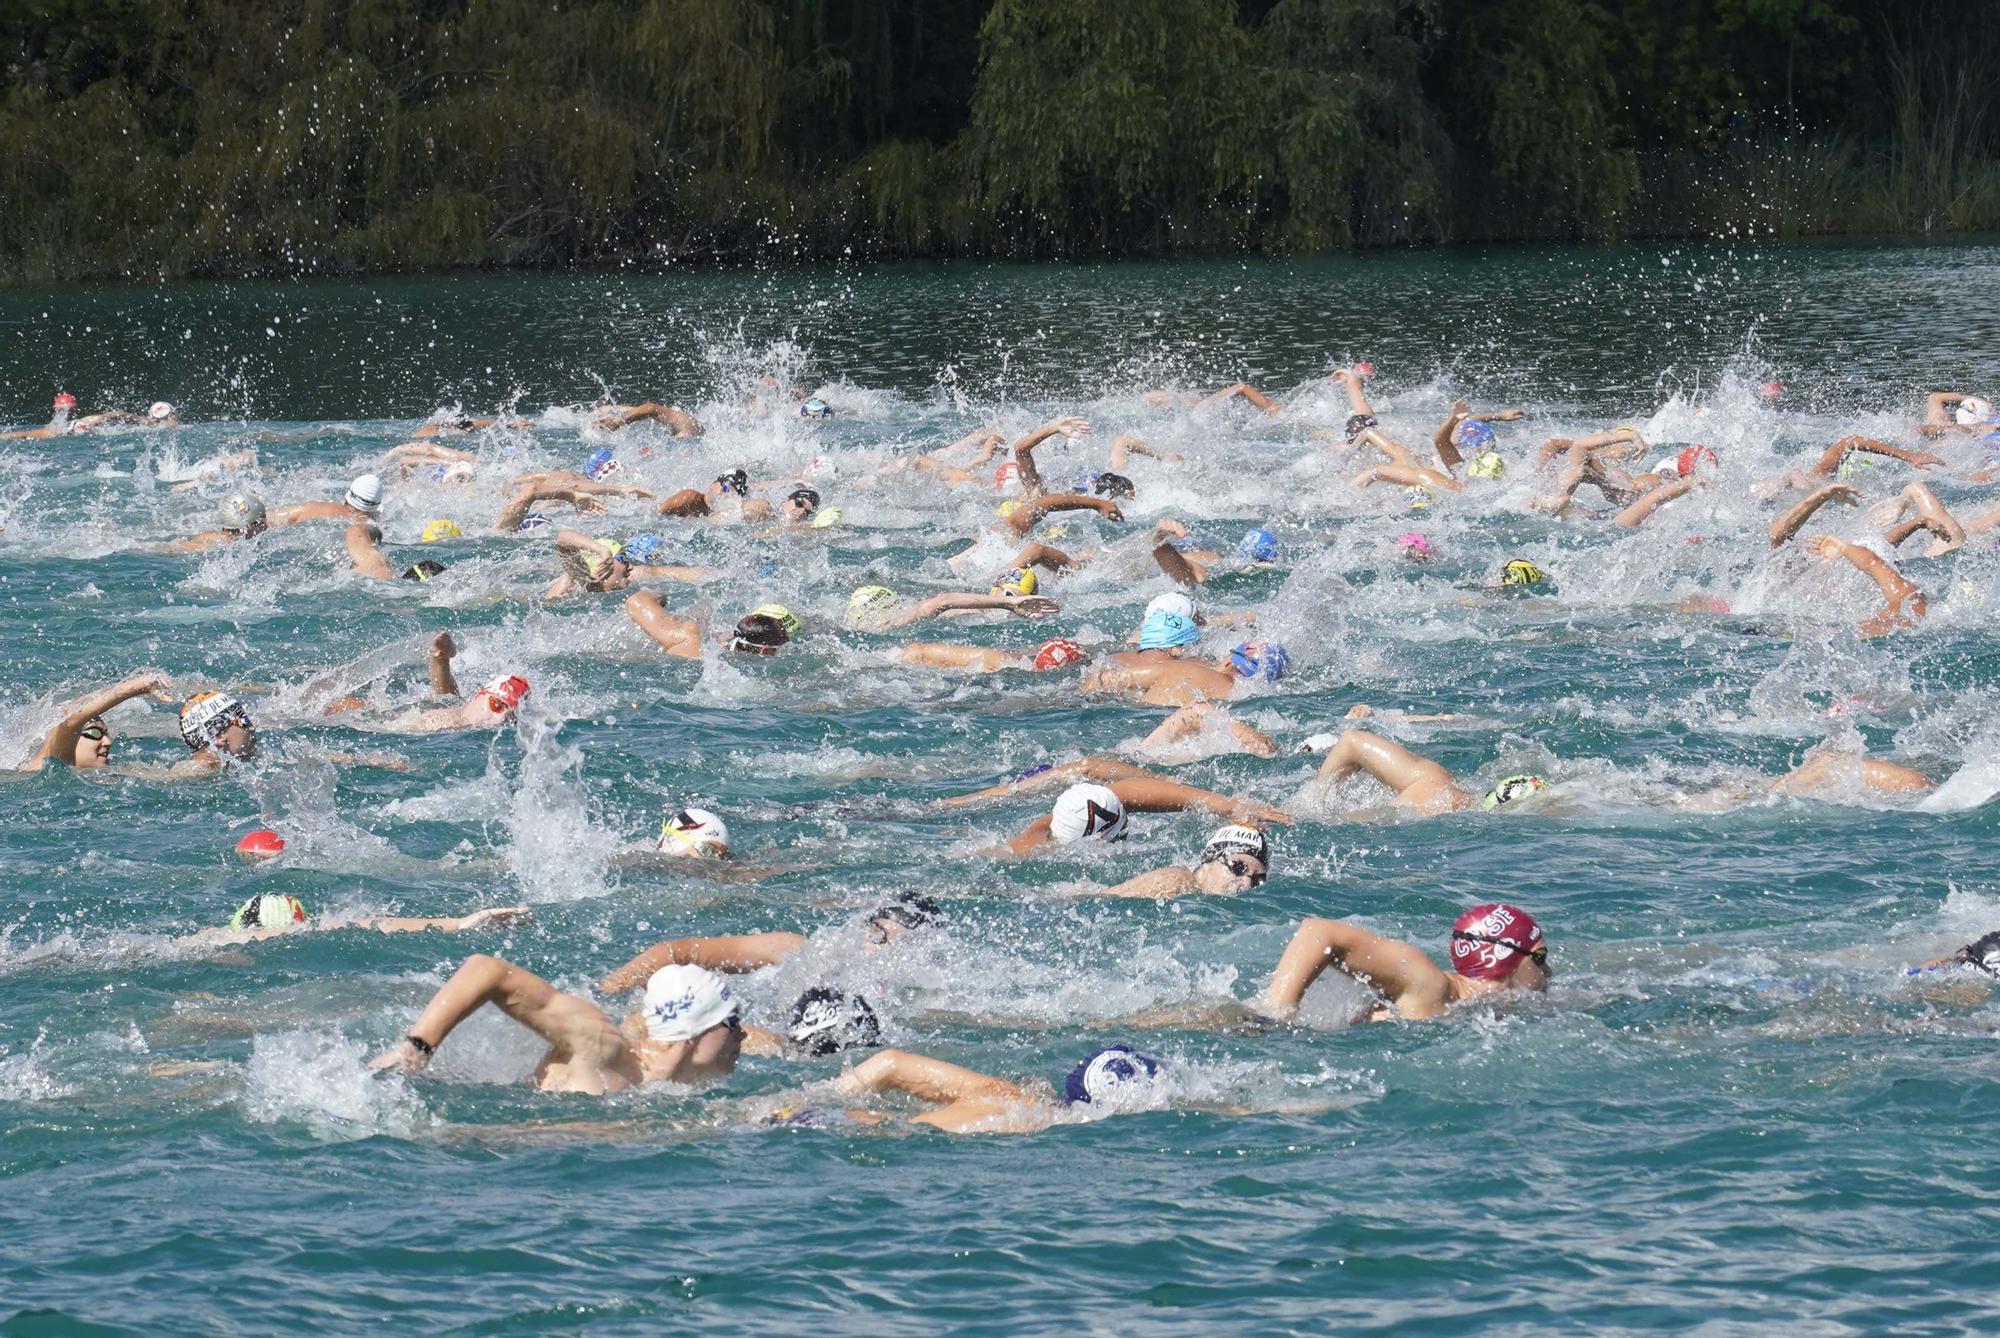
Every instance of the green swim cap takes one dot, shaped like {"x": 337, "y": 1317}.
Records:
{"x": 1487, "y": 465}
{"x": 1520, "y": 571}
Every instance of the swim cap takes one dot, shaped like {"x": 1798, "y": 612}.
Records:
{"x": 1087, "y": 810}
{"x": 1258, "y": 546}
{"x": 806, "y": 497}
{"x": 1364, "y": 369}
{"x": 504, "y": 693}
{"x": 1262, "y": 660}
{"x": 1105, "y": 1071}
{"x": 365, "y": 494}
{"x": 1474, "y": 436}
{"x": 1007, "y": 508}
{"x": 1855, "y": 463}
{"x": 736, "y": 481}
{"x": 1413, "y": 545}
{"x": 815, "y": 408}
{"x": 260, "y": 844}
{"x": 1418, "y": 499}
{"x": 1692, "y": 458}
{"x": 600, "y": 464}
{"x": 1173, "y": 602}
{"x": 1020, "y": 581}
{"x": 241, "y": 512}
{"x": 1520, "y": 571}
{"x": 827, "y": 519}
{"x": 1487, "y": 465}
{"x": 1972, "y": 410}
{"x": 643, "y": 548}
{"x": 826, "y": 1020}
{"x": 682, "y": 1002}
{"x": 159, "y": 411}
{"x": 65, "y": 402}
{"x": 272, "y": 912}
{"x": 1237, "y": 839}
{"x": 1771, "y": 390}
{"x": 1164, "y": 631}
{"x": 424, "y": 570}
{"x": 1983, "y": 954}
{"x": 207, "y": 716}
{"x": 780, "y": 615}
{"x": 870, "y": 605}
{"x": 1059, "y": 653}
{"x": 694, "y": 831}
{"x": 458, "y": 471}
{"x": 1113, "y": 485}
{"x": 439, "y": 530}
{"x": 912, "y": 910}
{"x": 1490, "y": 942}
{"x": 1667, "y": 466}
{"x": 758, "y": 634}
{"x": 534, "y": 520}
{"x": 1511, "y": 788}
{"x": 1006, "y": 471}
{"x": 1357, "y": 424}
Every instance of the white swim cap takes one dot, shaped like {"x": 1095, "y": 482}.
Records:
{"x": 694, "y": 831}
{"x": 1087, "y": 811}
{"x": 240, "y": 511}
{"x": 365, "y": 494}
{"x": 160, "y": 411}
{"x": 1668, "y": 466}
{"x": 682, "y": 1002}
{"x": 1973, "y": 410}
{"x": 1173, "y": 602}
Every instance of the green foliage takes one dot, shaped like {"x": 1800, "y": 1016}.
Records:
{"x": 176, "y": 137}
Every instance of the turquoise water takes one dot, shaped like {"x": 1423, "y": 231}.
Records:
{"x": 1733, "y": 1107}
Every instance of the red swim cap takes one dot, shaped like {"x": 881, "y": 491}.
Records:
{"x": 261, "y": 844}
{"x": 1490, "y": 942}
{"x": 1004, "y": 473}
{"x": 1692, "y": 457}
{"x": 65, "y": 401}
{"x": 1059, "y": 652}
{"x": 1367, "y": 369}
{"x": 504, "y": 694}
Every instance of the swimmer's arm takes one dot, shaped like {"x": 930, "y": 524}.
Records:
{"x": 1024, "y": 606}
{"x": 1830, "y": 461}
{"x": 200, "y": 543}
{"x": 1903, "y": 601}
{"x": 364, "y": 550}
{"x": 60, "y": 746}
{"x": 1031, "y": 838}
{"x": 1156, "y": 884}
{"x": 1635, "y": 515}
{"x": 1024, "y": 449}
{"x": 1045, "y": 557}
{"x": 1198, "y": 716}
{"x": 1125, "y": 443}
{"x": 1032, "y": 512}
{"x": 1398, "y": 453}
{"x": 1240, "y": 390}
{"x": 1357, "y": 396}
{"x": 1406, "y": 476}
{"x": 1177, "y": 564}
{"x": 1789, "y": 524}
{"x": 733, "y": 953}
{"x": 1398, "y": 971}
{"x": 450, "y": 924}
{"x": 927, "y": 1079}
{"x": 941, "y": 655}
{"x": 672, "y": 633}
{"x": 1938, "y": 407}
{"x": 763, "y": 1042}
{"x": 573, "y": 1027}
{"x": 1150, "y": 794}
{"x": 1447, "y": 449}
{"x": 305, "y": 512}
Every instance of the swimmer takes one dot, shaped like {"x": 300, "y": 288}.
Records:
{"x": 1420, "y": 785}
{"x": 214, "y": 726}
{"x": 1155, "y": 675}
{"x": 571, "y": 490}
{"x": 363, "y": 503}
{"x": 269, "y": 916}
{"x": 492, "y": 707}
{"x": 1955, "y": 411}
{"x": 1056, "y": 653}
{"x": 965, "y": 1102}
{"x": 243, "y": 516}
{"x": 876, "y": 608}
{"x": 1195, "y": 402}
{"x": 364, "y": 552}
{"x": 1903, "y": 604}
{"x": 618, "y": 417}
{"x": 763, "y": 632}
{"x": 739, "y": 954}
{"x": 1841, "y": 460}
{"x": 1255, "y": 551}
{"x": 1235, "y": 859}
{"x": 61, "y": 416}
{"x": 81, "y": 739}
{"x": 1982, "y": 955}
{"x": 1205, "y": 718}
{"x": 983, "y": 443}
{"x": 1072, "y": 429}
{"x": 1830, "y": 771}
{"x": 1458, "y": 430}
{"x": 1494, "y": 948}
{"x": 1097, "y": 812}
{"x": 445, "y": 423}
{"x": 689, "y": 1029}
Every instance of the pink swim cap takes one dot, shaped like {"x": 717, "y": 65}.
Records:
{"x": 1414, "y": 545}
{"x": 1490, "y": 942}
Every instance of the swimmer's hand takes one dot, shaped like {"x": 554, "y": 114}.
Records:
{"x": 1107, "y": 509}
{"x": 1031, "y": 606}
{"x": 1826, "y": 548}
{"x": 497, "y": 915}
{"x": 1072, "y": 427}
{"x": 1250, "y": 810}
{"x": 403, "y": 1055}
{"x": 1320, "y": 743}
{"x": 1167, "y": 525}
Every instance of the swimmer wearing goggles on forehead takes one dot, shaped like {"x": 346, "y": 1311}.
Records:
{"x": 1236, "y": 859}
{"x": 81, "y": 738}
{"x": 1494, "y": 947}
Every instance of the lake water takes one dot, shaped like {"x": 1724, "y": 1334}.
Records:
{"x": 1733, "y": 1107}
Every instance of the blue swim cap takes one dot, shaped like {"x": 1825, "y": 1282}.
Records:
{"x": 815, "y": 408}
{"x": 1102, "y": 1073}
{"x": 1258, "y": 546}
{"x": 1264, "y": 660}
{"x": 534, "y": 520}
{"x": 1473, "y": 436}
{"x": 600, "y": 463}
{"x": 641, "y": 549}
{"x": 1164, "y": 631}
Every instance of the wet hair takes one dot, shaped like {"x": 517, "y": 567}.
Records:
{"x": 759, "y": 634}
{"x": 1357, "y": 424}
{"x": 826, "y": 1021}
{"x": 1114, "y": 485}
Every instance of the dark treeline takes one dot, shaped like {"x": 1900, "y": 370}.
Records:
{"x": 183, "y": 137}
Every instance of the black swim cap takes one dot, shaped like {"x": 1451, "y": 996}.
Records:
{"x": 736, "y": 481}
{"x": 1983, "y": 954}
{"x": 1114, "y": 485}
{"x": 1357, "y": 424}
{"x": 759, "y": 634}
{"x": 805, "y": 496}
{"x": 423, "y": 571}
{"x": 826, "y": 1020}
{"x": 912, "y": 910}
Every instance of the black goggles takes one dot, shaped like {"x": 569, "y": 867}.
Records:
{"x": 94, "y": 731}
{"x": 1539, "y": 954}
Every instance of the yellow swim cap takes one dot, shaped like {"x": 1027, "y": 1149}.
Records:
{"x": 441, "y": 529}
{"x": 1007, "y": 508}
{"x": 1020, "y": 581}
{"x": 780, "y": 615}
{"x": 869, "y": 605}
{"x": 1520, "y": 571}
{"x": 1487, "y": 465}
{"x": 827, "y": 517}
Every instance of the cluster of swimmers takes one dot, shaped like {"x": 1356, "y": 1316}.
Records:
{"x": 1183, "y": 655}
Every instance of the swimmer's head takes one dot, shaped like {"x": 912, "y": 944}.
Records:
{"x": 1357, "y": 424}
{"x": 601, "y": 463}
{"x": 93, "y": 744}
{"x": 1667, "y": 467}
{"x": 1258, "y": 547}
{"x": 1413, "y": 546}
{"x": 781, "y": 615}
{"x": 1107, "y": 1073}
{"x": 736, "y": 481}
{"x": 1173, "y": 602}
{"x": 159, "y": 411}
{"x": 1856, "y": 462}
{"x": 641, "y": 549}
{"x": 1473, "y": 436}
{"x": 534, "y": 520}
{"x": 594, "y": 566}
{"x": 1264, "y": 661}
{"x": 1510, "y": 788}
{"x": 683, "y": 1002}
{"x": 1520, "y": 571}
{"x": 1007, "y": 508}
{"x": 799, "y": 505}
{"x": 1771, "y": 391}
{"x": 440, "y": 530}
{"x": 815, "y": 408}
{"x": 869, "y": 607}
{"x": 65, "y": 402}
{"x": 826, "y": 1021}
{"x": 423, "y": 570}
{"x": 242, "y": 513}
{"x": 1486, "y": 465}
{"x": 1693, "y": 458}
{"x": 1417, "y": 499}
{"x": 458, "y": 471}
{"x": 504, "y": 694}
{"x": 1059, "y": 653}
{"x": 260, "y": 845}
{"x": 1113, "y": 485}
{"x": 365, "y": 494}
{"x": 759, "y": 634}
{"x": 1087, "y": 812}
{"x": 1494, "y": 941}
{"x": 1972, "y": 410}
{"x": 1007, "y": 472}
{"x": 1982, "y": 954}
{"x": 217, "y": 720}
{"x": 1166, "y": 631}
{"x": 1235, "y": 859}
{"x": 828, "y": 517}
{"x": 1020, "y": 581}
{"x": 910, "y": 910}
{"x": 268, "y": 912}
{"x": 694, "y": 832}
